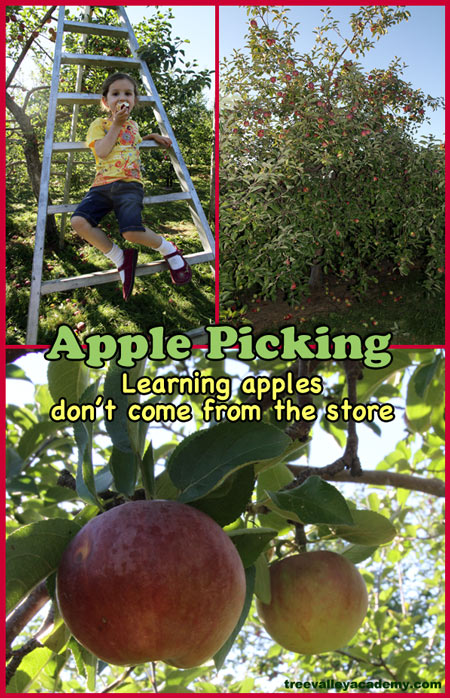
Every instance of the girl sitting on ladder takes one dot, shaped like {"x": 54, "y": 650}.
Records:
{"x": 117, "y": 186}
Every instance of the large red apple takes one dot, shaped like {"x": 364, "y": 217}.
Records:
{"x": 319, "y": 600}
{"x": 151, "y": 580}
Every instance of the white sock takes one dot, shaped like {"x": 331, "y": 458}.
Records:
{"x": 116, "y": 256}
{"x": 167, "y": 247}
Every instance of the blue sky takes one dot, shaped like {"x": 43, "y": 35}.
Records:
{"x": 419, "y": 43}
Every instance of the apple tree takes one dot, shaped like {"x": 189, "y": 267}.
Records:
{"x": 321, "y": 170}
{"x": 277, "y": 489}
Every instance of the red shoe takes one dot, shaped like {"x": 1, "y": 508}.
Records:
{"x": 129, "y": 267}
{"x": 182, "y": 275}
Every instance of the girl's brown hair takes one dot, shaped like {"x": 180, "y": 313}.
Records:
{"x": 112, "y": 78}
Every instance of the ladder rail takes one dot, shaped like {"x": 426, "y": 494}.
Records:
{"x": 38, "y": 256}
{"x": 105, "y": 277}
{"x": 73, "y": 130}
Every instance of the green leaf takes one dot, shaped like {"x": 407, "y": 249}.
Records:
{"x": 35, "y": 435}
{"x": 228, "y": 500}
{"x": 220, "y": 656}
{"x": 314, "y": 502}
{"x": 203, "y": 460}
{"x": 262, "y": 579}
{"x": 117, "y": 428}
{"x": 371, "y": 380}
{"x": 123, "y": 467}
{"x": 251, "y": 542}
{"x": 148, "y": 472}
{"x": 424, "y": 375}
{"x": 15, "y": 372}
{"x": 164, "y": 487}
{"x": 68, "y": 379}
{"x": 370, "y": 528}
{"x": 30, "y": 668}
{"x": 418, "y": 411}
{"x": 32, "y": 553}
{"x": 125, "y": 434}
{"x": 85, "y": 480}
{"x": 274, "y": 478}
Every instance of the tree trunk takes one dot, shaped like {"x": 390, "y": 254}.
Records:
{"x": 316, "y": 274}
{"x": 33, "y": 162}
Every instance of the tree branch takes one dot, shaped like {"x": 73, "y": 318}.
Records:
{"x": 380, "y": 478}
{"x": 300, "y": 430}
{"x": 18, "y": 655}
{"x": 27, "y": 45}
{"x": 25, "y": 612}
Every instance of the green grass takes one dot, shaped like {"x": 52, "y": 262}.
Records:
{"x": 101, "y": 309}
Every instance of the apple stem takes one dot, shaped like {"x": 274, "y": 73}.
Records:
{"x": 300, "y": 537}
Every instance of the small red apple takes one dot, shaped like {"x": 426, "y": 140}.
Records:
{"x": 151, "y": 580}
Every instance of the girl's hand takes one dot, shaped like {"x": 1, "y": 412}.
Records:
{"x": 121, "y": 115}
{"x": 165, "y": 141}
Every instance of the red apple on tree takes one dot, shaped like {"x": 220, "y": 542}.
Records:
{"x": 319, "y": 601}
{"x": 151, "y": 580}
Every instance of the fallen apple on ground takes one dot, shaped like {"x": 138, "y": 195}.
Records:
{"x": 151, "y": 580}
{"x": 319, "y": 601}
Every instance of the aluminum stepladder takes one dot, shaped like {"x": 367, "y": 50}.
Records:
{"x": 187, "y": 193}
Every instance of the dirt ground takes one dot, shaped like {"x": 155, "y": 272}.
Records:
{"x": 336, "y": 297}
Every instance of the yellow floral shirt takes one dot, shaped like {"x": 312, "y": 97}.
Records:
{"x": 123, "y": 160}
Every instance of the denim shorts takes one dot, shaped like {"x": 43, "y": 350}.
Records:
{"x": 124, "y": 198}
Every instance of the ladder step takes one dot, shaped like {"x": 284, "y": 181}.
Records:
{"x": 79, "y": 146}
{"x": 104, "y": 61}
{"x": 100, "y": 29}
{"x": 105, "y": 277}
{"x": 89, "y": 98}
{"x": 148, "y": 200}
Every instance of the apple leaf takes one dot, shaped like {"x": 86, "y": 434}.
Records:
{"x": 123, "y": 467}
{"x": 33, "y": 552}
{"x": 117, "y": 427}
{"x": 33, "y": 437}
{"x": 313, "y": 502}
{"x": 85, "y": 480}
{"x": 369, "y": 528}
{"x": 203, "y": 460}
{"x": 13, "y": 371}
{"x": 262, "y": 579}
{"x": 358, "y": 553}
{"x": 68, "y": 379}
{"x": 251, "y": 542}
{"x": 273, "y": 479}
{"x": 147, "y": 467}
{"x": 30, "y": 668}
{"x": 219, "y": 657}
{"x": 86, "y": 662}
{"x": 226, "y": 502}
{"x": 125, "y": 434}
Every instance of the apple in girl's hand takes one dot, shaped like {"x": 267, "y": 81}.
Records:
{"x": 151, "y": 580}
{"x": 318, "y": 602}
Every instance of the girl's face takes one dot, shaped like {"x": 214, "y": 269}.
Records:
{"x": 120, "y": 91}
